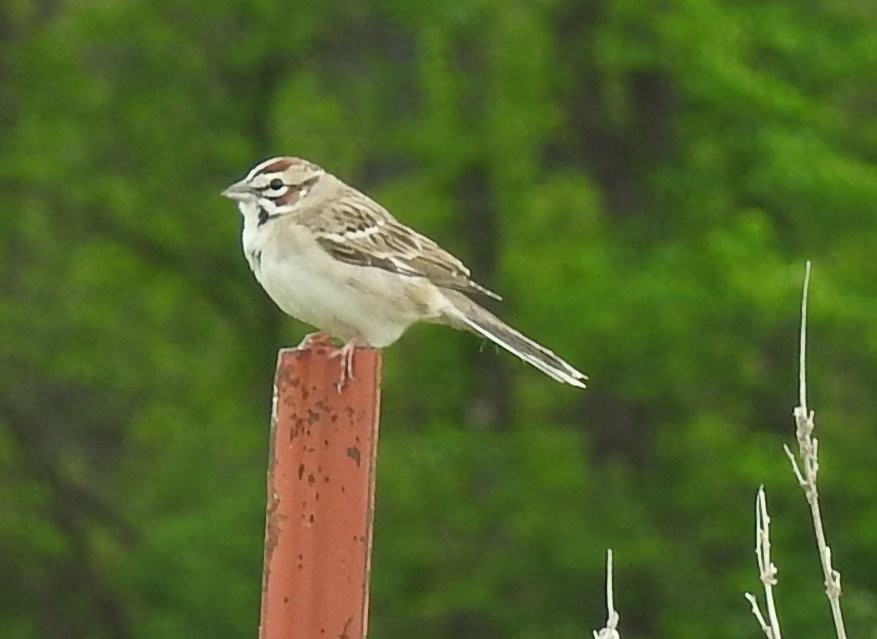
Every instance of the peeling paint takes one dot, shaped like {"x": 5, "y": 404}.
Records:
{"x": 318, "y": 541}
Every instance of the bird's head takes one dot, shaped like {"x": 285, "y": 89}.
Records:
{"x": 274, "y": 187}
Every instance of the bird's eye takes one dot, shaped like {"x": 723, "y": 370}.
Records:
{"x": 276, "y": 184}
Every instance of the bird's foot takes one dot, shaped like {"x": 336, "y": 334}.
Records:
{"x": 320, "y": 338}
{"x": 346, "y": 354}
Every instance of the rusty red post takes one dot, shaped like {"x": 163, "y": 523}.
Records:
{"x": 321, "y": 483}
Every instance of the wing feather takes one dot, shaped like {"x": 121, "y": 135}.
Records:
{"x": 359, "y": 231}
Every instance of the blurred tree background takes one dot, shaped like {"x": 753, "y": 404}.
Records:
{"x": 641, "y": 180}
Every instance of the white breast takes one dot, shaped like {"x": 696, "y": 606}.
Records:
{"x": 345, "y": 300}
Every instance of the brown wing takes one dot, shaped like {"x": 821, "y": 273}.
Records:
{"x": 357, "y": 230}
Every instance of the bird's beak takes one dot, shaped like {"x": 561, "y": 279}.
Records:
{"x": 238, "y": 191}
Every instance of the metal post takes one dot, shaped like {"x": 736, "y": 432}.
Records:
{"x": 321, "y": 483}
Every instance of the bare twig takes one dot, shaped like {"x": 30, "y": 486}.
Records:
{"x": 609, "y": 631}
{"x": 756, "y": 611}
{"x": 802, "y": 343}
{"x": 767, "y": 570}
{"x": 808, "y": 459}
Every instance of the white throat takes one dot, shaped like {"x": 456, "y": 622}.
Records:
{"x": 252, "y": 234}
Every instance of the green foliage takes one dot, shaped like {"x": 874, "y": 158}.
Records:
{"x": 641, "y": 181}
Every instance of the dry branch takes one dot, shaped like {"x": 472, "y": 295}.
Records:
{"x": 609, "y": 631}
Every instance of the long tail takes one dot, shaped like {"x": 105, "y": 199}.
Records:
{"x": 469, "y": 315}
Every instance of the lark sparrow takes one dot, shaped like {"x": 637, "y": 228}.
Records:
{"x": 332, "y": 257}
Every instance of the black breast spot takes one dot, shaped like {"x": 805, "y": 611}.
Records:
{"x": 256, "y": 259}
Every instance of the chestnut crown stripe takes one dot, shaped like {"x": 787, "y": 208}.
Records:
{"x": 277, "y": 166}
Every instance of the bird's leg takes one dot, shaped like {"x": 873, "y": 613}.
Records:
{"x": 346, "y": 354}
{"x": 320, "y": 338}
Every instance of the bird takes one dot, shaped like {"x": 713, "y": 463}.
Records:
{"x": 332, "y": 257}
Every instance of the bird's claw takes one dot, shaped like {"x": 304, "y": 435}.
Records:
{"x": 320, "y": 338}
{"x": 346, "y": 354}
